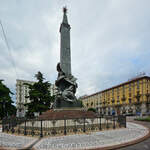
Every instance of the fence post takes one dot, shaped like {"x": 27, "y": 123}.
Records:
{"x": 84, "y": 124}
{"x": 41, "y": 134}
{"x": 107, "y": 123}
{"x": 2, "y": 125}
{"x": 65, "y": 132}
{"x": 125, "y": 121}
{"x": 114, "y": 125}
{"x": 119, "y": 120}
{"x": 100, "y": 123}
{"x": 12, "y": 127}
{"x": 25, "y": 130}
{"x": 75, "y": 126}
{"x": 9, "y": 125}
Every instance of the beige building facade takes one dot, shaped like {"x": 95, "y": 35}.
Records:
{"x": 22, "y": 91}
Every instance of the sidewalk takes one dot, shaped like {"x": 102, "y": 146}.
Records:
{"x": 95, "y": 140}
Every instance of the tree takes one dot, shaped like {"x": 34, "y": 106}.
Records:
{"x": 92, "y": 109}
{"x": 39, "y": 95}
{"x": 6, "y": 104}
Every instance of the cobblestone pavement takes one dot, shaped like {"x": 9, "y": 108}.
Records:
{"x": 80, "y": 141}
{"x": 93, "y": 140}
{"x": 12, "y": 141}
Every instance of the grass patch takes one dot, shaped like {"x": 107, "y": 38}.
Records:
{"x": 143, "y": 119}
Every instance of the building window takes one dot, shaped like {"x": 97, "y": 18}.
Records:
{"x": 118, "y": 102}
{"x": 123, "y": 89}
{"x": 138, "y": 84}
{"x": 129, "y": 94}
{"x": 147, "y": 84}
{"x": 130, "y": 87}
{"x": 129, "y": 100}
{"x": 112, "y": 100}
{"x": 138, "y": 93}
{"x": 97, "y": 103}
{"x": 113, "y": 92}
{"x": 108, "y": 101}
{"x": 117, "y": 98}
{"x": 108, "y": 93}
{"x": 117, "y": 91}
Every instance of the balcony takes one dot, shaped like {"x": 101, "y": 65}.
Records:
{"x": 138, "y": 102}
{"x": 104, "y": 105}
{"x": 113, "y": 101}
{"x": 137, "y": 99}
{"x": 123, "y": 98}
{"x": 118, "y": 104}
{"x": 147, "y": 98}
{"x": 138, "y": 95}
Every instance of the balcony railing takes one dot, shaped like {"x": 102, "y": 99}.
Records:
{"x": 123, "y": 98}
{"x": 147, "y": 98}
{"x": 113, "y": 101}
{"x": 137, "y": 102}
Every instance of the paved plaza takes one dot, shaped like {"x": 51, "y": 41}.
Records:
{"x": 80, "y": 141}
{"x": 17, "y": 142}
{"x": 94, "y": 140}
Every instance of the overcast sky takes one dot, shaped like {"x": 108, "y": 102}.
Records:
{"x": 109, "y": 40}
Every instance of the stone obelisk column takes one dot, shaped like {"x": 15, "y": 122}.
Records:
{"x": 65, "y": 53}
{"x": 66, "y": 82}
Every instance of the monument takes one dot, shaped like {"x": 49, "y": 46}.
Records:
{"x": 66, "y": 104}
{"x": 66, "y": 82}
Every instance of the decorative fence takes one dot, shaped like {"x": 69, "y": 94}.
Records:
{"x": 36, "y": 127}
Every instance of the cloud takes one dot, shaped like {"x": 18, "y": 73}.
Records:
{"x": 109, "y": 40}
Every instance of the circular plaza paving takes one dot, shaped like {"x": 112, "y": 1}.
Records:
{"x": 79, "y": 141}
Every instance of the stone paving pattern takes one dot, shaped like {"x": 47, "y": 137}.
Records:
{"x": 12, "y": 141}
{"x": 145, "y": 145}
{"x": 93, "y": 140}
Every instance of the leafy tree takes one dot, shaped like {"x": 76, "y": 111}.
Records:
{"x": 92, "y": 109}
{"x": 6, "y": 104}
{"x": 39, "y": 95}
{"x": 81, "y": 103}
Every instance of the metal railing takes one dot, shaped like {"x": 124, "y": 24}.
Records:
{"x": 37, "y": 127}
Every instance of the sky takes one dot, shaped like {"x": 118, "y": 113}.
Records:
{"x": 109, "y": 41}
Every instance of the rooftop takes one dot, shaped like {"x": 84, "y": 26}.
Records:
{"x": 124, "y": 83}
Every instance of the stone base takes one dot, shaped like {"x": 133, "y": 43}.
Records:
{"x": 57, "y": 114}
{"x": 61, "y": 104}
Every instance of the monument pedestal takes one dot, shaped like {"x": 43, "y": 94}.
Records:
{"x": 62, "y": 104}
{"x": 67, "y": 113}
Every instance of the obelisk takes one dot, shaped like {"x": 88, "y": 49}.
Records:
{"x": 65, "y": 53}
{"x": 66, "y": 82}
